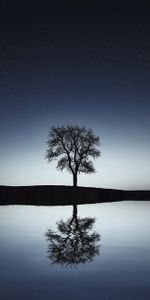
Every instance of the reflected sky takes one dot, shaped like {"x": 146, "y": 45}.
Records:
{"x": 120, "y": 271}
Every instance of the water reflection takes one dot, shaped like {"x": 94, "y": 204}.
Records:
{"x": 73, "y": 242}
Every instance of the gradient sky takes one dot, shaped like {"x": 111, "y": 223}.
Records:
{"x": 67, "y": 62}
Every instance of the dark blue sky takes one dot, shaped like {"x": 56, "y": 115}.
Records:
{"x": 68, "y": 62}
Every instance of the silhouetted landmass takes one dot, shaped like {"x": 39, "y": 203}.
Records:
{"x": 65, "y": 195}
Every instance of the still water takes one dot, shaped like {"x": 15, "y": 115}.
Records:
{"x": 91, "y": 252}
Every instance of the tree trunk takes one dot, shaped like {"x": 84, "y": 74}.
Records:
{"x": 74, "y": 179}
{"x": 75, "y": 211}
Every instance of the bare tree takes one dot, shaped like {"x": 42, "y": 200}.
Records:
{"x": 73, "y": 145}
{"x": 74, "y": 241}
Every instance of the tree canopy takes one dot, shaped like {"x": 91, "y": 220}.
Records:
{"x": 73, "y": 146}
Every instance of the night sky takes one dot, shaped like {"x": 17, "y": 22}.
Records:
{"x": 67, "y": 62}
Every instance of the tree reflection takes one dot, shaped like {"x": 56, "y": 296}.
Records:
{"x": 73, "y": 242}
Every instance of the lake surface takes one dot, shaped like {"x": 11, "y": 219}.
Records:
{"x": 91, "y": 252}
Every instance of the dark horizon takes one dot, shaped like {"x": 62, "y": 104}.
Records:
{"x": 71, "y": 186}
{"x": 66, "y": 195}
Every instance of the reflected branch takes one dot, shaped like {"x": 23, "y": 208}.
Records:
{"x": 73, "y": 242}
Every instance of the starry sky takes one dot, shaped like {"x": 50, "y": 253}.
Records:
{"x": 69, "y": 62}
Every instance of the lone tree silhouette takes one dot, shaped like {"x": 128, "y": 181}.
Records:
{"x": 73, "y": 146}
{"x": 74, "y": 241}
